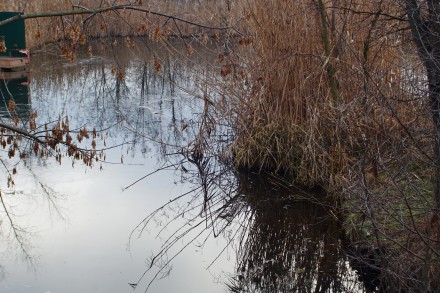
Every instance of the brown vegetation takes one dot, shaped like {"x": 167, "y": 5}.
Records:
{"x": 324, "y": 95}
{"x": 117, "y": 23}
{"x": 331, "y": 94}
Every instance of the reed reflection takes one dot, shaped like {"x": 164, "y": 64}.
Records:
{"x": 119, "y": 89}
{"x": 140, "y": 113}
{"x": 285, "y": 241}
{"x": 291, "y": 244}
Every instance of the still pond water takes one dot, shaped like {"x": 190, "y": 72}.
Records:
{"x": 72, "y": 228}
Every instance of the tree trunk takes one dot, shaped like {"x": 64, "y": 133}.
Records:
{"x": 434, "y": 98}
{"x": 426, "y": 32}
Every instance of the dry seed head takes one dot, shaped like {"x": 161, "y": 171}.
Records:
{"x": 120, "y": 75}
{"x": 65, "y": 125}
{"x": 69, "y": 139}
{"x": 220, "y": 58}
{"x": 226, "y": 70}
{"x": 11, "y": 105}
{"x": 32, "y": 124}
{"x": 205, "y": 39}
{"x": 129, "y": 43}
{"x": 245, "y": 41}
{"x": 83, "y": 132}
{"x": 157, "y": 66}
{"x": 2, "y": 46}
{"x": 189, "y": 50}
{"x": 142, "y": 28}
{"x": 82, "y": 39}
{"x": 15, "y": 119}
{"x": 11, "y": 152}
{"x": 90, "y": 51}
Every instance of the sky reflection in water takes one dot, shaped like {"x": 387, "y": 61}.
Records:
{"x": 78, "y": 220}
{"x": 77, "y": 237}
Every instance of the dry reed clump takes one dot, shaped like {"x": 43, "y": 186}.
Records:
{"x": 326, "y": 89}
{"x": 338, "y": 99}
{"x": 276, "y": 139}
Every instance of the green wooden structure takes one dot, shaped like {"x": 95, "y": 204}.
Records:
{"x": 13, "y": 35}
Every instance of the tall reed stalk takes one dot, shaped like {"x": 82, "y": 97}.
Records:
{"x": 320, "y": 76}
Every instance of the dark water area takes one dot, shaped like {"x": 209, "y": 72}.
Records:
{"x": 293, "y": 243}
{"x": 15, "y": 86}
{"x": 190, "y": 227}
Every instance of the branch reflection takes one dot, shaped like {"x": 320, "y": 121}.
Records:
{"x": 292, "y": 244}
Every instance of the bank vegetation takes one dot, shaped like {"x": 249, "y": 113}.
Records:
{"x": 343, "y": 95}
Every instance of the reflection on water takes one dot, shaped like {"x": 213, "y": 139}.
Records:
{"x": 292, "y": 244}
{"x": 69, "y": 226}
{"x": 78, "y": 220}
{"x": 15, "y": 86}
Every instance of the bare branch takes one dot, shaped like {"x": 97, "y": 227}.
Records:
{"x": 82, "y": 10}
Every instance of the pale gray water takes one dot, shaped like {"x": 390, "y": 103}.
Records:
{"x": 74, "y": 223}
{"x": 77, "y": 236}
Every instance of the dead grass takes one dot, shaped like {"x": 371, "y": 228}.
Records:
{"x": 322, "y": 96}
{"x": 122, "y": 23}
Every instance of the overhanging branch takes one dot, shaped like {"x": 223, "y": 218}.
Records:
{"x": 21, "y": 131}
{"x": 82, "y": 10}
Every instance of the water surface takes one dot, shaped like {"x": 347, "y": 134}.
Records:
{"x": 72, "y": 228}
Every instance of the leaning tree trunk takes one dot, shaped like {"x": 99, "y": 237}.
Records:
{"x": 434, "y": 98}
{"x": 424, "y": 16}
